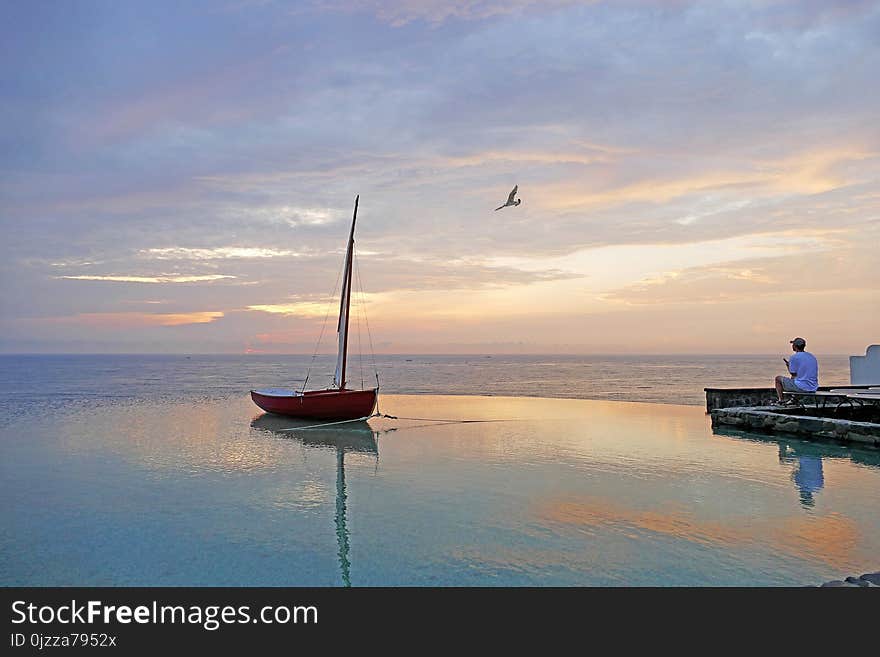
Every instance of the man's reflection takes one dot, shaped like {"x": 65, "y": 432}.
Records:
{"x": 807, "y": 474}
{"x": 806, "y": 458}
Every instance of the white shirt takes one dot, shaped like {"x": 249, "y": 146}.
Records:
{"x": 805, "y": 369}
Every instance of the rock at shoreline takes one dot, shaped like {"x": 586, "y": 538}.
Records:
{"x": 857, "y": 581}
{"x": 866, "y": 580}
{"x": 874, "y": 578}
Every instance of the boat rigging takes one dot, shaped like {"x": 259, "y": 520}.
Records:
{"x": 337, "y": 402}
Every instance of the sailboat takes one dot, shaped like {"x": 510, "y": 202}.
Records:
{"x": 337, "y": 402}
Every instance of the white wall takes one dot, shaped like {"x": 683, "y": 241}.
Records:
{"x": 865, "y": 370}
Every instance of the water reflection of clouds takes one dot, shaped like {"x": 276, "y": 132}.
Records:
{"x": 170, "y": 438}
{"x": 301, "y": 496}
{"x": 597, "y": 512}
{"x": 582, "y": 566}
{"x": 833, "y": 539}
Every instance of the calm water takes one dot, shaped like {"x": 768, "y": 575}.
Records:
{"x": 160, "y": 471}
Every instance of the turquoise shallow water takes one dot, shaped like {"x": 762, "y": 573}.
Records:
{"x": 147, "y": 490}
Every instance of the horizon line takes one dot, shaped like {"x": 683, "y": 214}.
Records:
{"x": 484, "y": 354}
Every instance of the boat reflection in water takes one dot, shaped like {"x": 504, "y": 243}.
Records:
{"x": 356, "y": 437}
{"x": 806, "y": 458}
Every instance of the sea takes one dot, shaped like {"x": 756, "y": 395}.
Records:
{"x": 37, "y": 383}
{"x": 495, "y": 470}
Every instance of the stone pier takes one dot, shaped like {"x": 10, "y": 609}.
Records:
{"x": 749, "y": 409}
{"x": 730, "y": 397}
{"x": 798, "y": 421}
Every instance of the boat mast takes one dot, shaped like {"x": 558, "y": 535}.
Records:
{"x": 345, "y": 302}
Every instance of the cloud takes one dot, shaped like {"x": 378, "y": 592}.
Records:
{"x": 220, "y": 253}
{"x": 306, "y": 309}
{"x": 805, "y": 173}
{"x": 412, "y": 273}
{"x": 136, "y": 319}
{"x": 399, "y": 13}
{"x": 850, "y": 268}
{"x": 165, "y": 278}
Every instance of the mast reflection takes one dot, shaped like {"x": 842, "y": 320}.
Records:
{"x": 356, "y": 437}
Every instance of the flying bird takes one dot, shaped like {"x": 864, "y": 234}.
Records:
{"x": 510, "y": 200}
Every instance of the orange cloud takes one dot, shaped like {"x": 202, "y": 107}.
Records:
{"x": 305, "y": 309}
{"x": 134, "y": 319}
{"x": 804, "y": 173}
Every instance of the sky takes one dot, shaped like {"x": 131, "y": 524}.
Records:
{"x": 696, "y": 177}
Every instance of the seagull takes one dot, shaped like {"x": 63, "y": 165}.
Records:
{"x": 510, "y": 199}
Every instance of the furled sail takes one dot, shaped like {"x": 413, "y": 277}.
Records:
{"x": 342, "y": 328}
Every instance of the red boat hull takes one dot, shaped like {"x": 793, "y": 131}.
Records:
{"x": 318, "y": 404}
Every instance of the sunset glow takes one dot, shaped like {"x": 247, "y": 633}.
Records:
{"x": 695, "y": 177}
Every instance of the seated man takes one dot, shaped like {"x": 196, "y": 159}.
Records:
{"x": 804, "y": 370}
